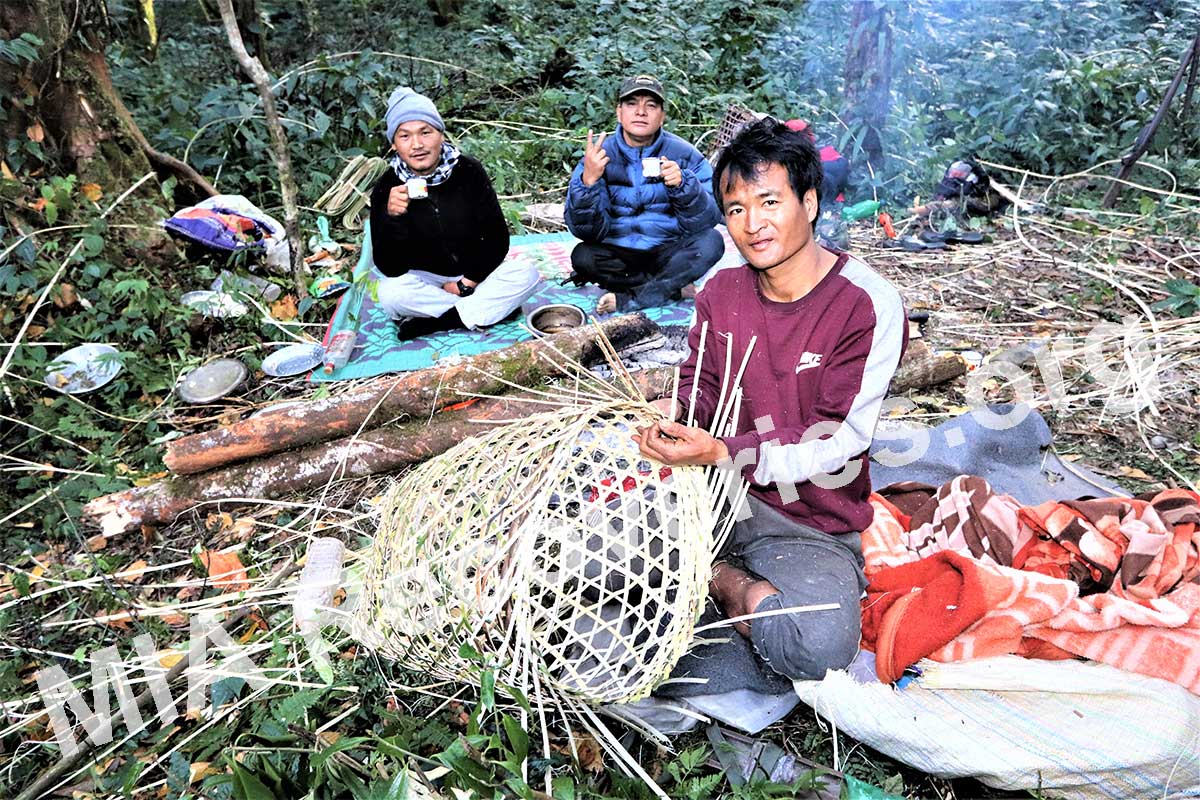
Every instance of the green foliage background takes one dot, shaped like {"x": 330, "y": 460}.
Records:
{"x": 1054, "y": 86}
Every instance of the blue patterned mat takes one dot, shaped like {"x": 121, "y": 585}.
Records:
{"x": 378, "y": 350}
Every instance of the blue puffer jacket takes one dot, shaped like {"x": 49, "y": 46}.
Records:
{"x": 625, "y": 209}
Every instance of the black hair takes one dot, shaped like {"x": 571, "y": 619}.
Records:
{"x": 761, "y": 144}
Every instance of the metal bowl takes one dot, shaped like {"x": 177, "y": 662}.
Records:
{"x": 556, "y": 318}
{"x": 212, "y": 381}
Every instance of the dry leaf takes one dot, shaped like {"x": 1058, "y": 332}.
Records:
{"x": 284, "y": 309}
{"x": 65, "y": 297}
{"x": 230, "y": 417}
{"x": 134, "y": 572}
{"x": 169, "y": 658}
{"x": 120, "y": 620}
{"x": 200, "y": 770}
{"x": 91, "y": 191}
{"x": 258, "y": 624}
{"x": 1134, "y": 472}
{"x": 591, "y": 758}
{"x": 146, "y": 480}
{"x": 225, "y": 570}
{"x": 242, "y": 529}
{"x": 97, "y": 542}
{"x": 6, "y": 172}
{"x": 218, "y": 521}
{"x": 35, "y": 132}
{"x": 175, "y": 620}
{"x": 35, "y": 331}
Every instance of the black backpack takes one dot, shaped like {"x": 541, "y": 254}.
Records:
{"x": 966, "y": 181}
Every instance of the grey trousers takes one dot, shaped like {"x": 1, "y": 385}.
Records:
{"x": 808, "y": 567}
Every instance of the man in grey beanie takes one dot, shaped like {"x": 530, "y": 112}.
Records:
{"x": 437, "y": 232}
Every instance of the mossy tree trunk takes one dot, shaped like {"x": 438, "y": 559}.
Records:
{"x": 62, "y": 96}
{"x": 67, "y": 100}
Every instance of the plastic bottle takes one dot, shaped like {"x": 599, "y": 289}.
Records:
{"x": 337, "y": 354}
{"x": 885, "y": 219}
{"x": 861, "y": 210}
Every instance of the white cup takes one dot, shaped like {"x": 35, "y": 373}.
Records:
{"x": 417, "y": 188}
{"x": 652, "y": 167}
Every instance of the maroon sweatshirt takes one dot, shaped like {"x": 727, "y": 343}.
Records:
{"x": 812, "y": 389}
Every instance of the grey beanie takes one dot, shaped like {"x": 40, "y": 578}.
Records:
{"x": 405, "y": 105}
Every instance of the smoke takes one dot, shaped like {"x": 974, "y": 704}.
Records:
{"x": 1051, "y": 85}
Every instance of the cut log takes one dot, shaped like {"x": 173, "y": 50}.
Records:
{"x": 386, "y": 449}
{"x": 379, "y": 450}
{"x": 920, "y": 368}
{"x": 416, "y": 394}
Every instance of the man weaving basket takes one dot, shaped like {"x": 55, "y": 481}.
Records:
{"x": 829, "y": 335}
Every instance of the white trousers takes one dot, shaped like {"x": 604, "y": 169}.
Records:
{"x": 417, "y": 293}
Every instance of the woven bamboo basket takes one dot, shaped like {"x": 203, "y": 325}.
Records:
{"x": 736, "y": 118}
{"x": 550, "y": 545}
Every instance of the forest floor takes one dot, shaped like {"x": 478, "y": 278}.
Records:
{"x": 1051, "y": 279}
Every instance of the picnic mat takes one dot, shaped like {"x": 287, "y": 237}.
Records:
{"x": 378, "y": 350}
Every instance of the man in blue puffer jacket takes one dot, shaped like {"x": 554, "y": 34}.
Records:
{"x": 642, "y": 203}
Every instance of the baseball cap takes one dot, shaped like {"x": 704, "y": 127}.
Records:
{"x": 641, "y": 83}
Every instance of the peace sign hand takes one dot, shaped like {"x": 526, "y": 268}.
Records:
{"x": 594, "y": 160}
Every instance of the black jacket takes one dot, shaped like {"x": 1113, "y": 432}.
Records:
{"x": 458, "y": 230}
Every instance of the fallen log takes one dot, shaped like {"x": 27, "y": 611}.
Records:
{"x": 386, "y": 449}
{"x": 919, "y": 368}
{"x": 374, "y": 451}
{"x": 411, "y": 394}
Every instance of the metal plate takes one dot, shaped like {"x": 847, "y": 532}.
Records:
{"x": 212, "y": 381}
{"x": 555, "y": 318}
{"x": 293, "y": 359}
{"x": 83, "y": 369}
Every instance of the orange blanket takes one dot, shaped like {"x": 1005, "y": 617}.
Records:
{"x": 938, "y": 590}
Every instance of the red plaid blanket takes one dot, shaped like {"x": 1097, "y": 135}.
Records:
{"x": 961, "y": 572}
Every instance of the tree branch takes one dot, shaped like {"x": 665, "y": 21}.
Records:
{"x": 1142, "y": 143}
{"x": 279, "y": 146}
{"x": 95, "y": 59}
